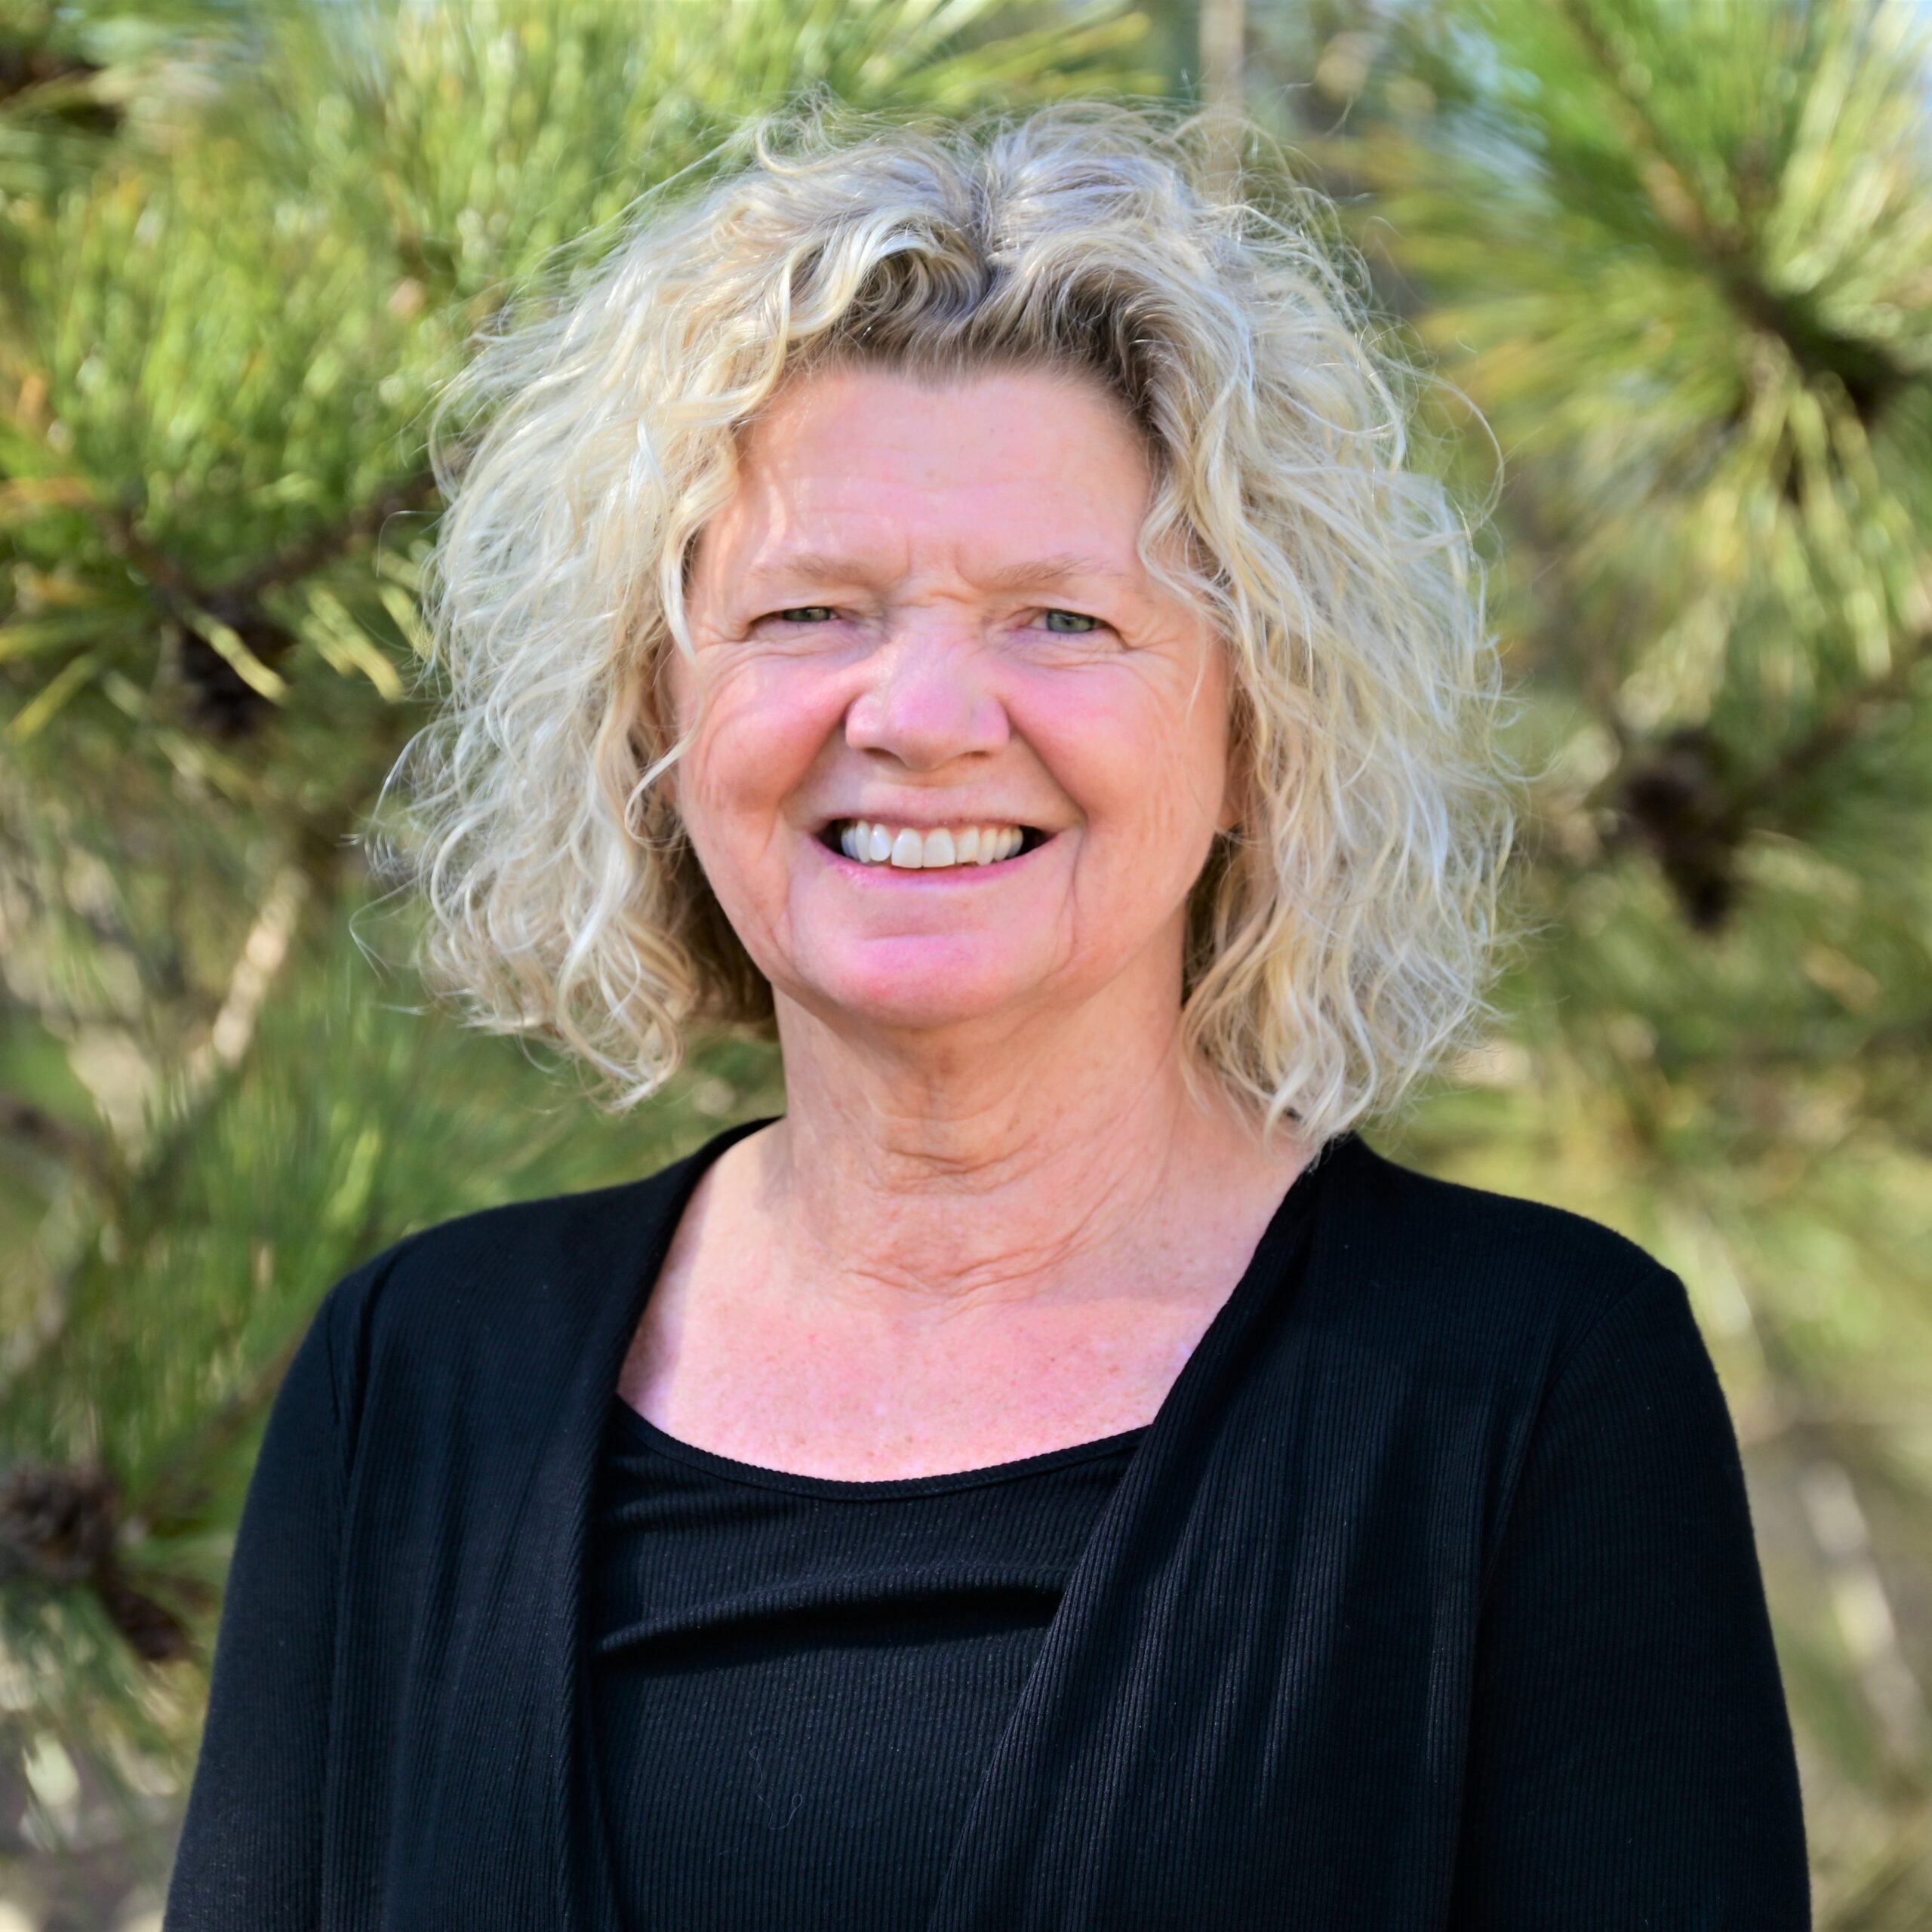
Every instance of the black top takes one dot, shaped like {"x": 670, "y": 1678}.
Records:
{"x": 798, "y": 1682}
{"x": 1428, "y": 1603}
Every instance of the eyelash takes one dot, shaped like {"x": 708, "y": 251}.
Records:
{"x": 794, "y": 615}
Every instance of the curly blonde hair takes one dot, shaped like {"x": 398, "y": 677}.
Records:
{"x": 1338, "y": 941}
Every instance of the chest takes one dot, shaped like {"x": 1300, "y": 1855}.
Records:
{"x": 796, "y": 1685}
{"x": 1296, "y": 1549}
{"x": 842, "y": 1391}
{"x": 894, "y": 1347}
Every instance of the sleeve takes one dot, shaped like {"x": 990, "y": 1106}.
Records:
{"x": 1630, "y": 1760}
{"x": 250, "y": 1855}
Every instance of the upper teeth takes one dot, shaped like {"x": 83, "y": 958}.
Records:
{"x": 877, "y": 844}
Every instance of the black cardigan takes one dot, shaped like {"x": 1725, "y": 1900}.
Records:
{"x": 1429, "y": 1602}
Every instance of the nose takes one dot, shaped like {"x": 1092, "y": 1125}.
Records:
{"x": 929, "y": 699}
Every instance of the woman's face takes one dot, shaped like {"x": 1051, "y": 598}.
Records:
{"x": 928, "y": 641}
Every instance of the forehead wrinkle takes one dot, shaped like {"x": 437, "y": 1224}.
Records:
{"x": 1029, "y": 574}
{"x": 820, "y": 564}
{"x": 1042, "y": 573}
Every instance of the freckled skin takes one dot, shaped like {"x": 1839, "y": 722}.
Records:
{"x": 993, "y": 1220}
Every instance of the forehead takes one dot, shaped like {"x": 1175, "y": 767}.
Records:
{"x": 880, "y": 462}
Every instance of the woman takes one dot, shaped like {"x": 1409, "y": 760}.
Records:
{"x": 960, "y": 599}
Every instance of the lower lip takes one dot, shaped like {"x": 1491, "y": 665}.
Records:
{"x": 919, "y": 875}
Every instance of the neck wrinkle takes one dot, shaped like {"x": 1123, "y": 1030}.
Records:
{"x": 1015, "y": 1172}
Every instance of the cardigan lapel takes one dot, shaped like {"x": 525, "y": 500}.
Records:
{"x": 1118, "y": 1604}
{"x": 562, "y": 1496}
{"x": 1035, "y": 1850}
{"x": 1145, "y": 1716}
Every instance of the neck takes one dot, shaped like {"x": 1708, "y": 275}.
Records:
{"x": 999, "y": 1162}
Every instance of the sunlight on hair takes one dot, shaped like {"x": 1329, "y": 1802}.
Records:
{"x": 1340, "y": 941}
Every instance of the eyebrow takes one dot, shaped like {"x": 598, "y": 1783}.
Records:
{"x": 1031, "y": 574}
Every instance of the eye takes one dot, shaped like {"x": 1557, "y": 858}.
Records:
{"x": 1072, "y": 623}
{"x": 807, "y": 613}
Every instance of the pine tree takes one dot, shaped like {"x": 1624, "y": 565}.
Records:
{"x": 1677, "y": 254}
{"x": 240, "y": 252}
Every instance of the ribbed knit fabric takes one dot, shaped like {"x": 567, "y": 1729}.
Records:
{"x": 1427, "y": 1603}
{"x": 798, "y": 1682}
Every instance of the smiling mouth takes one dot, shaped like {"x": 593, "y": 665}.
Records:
{"x": 935, "y": 848}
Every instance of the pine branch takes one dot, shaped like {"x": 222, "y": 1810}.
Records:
{"x": 302, "y": 559}
{"x": 261, "y": 958}
{"x": 26, "y": 1120}
{"x": 1681, "y": 799}
{"x": 165, "y": 578}
{"x": 178, "y": 1492}
{"x": 181, "y": 592}
{"x": 43, "y": 81}
{"x": 294, "y": 894}
{"x": 60, "y": 1524}
{"x": 1666, "y": 178}
{"x": 231, "y": 644}
{"x": 1840, "y": 1535}
{"x": 1841, "y": 729}
{"x": 1870, "y": 377}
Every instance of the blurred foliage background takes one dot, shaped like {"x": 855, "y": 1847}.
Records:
{"x": 1672, "y": 259}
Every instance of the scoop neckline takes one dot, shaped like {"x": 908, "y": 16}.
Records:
{"x": 1292, "y": 1214}
{"x": 753, "y": 1475}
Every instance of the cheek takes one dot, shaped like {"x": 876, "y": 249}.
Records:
{"x": 765, "y": 724}
{"x": 1139, "y": 764}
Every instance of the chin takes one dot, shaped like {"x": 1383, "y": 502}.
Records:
{"x": 921, "y": 984}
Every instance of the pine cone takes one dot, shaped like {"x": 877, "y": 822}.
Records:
{"x": 57, "y": 1522}
{"x": 1678, "y": 802}
{"x": 223, "y": 701}
{"x": 156, "y": 1634}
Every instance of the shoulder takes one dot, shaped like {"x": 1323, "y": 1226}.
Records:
{"x": 1456, "y": 1224}
{"x": 496, "y": 1307}
{"x": 1475, "y": 1284}
{"x": 484, "y": 1260}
